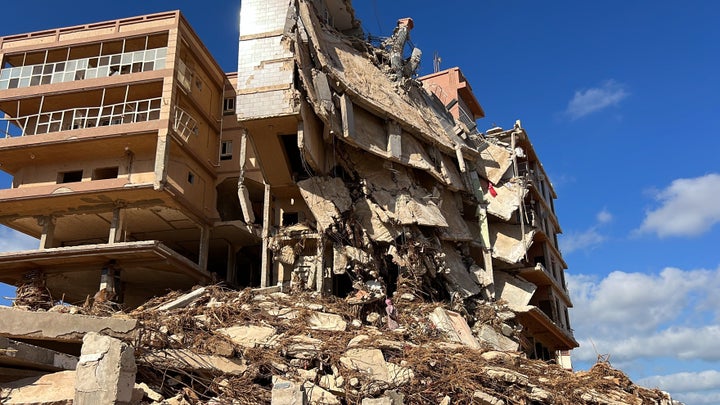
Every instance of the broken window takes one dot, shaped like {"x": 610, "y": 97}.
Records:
{"x": 226, "y": 150}
{"x": 70, "y": 177}
{"x": 105, "y": 173}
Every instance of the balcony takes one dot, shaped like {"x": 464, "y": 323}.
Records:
{"x": 83, "y": 117}
{"x": 81, "y": 69}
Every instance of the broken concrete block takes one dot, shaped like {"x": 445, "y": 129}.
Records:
{"x": 458, "y": 279}
{"x": 303, "y": 347}
{"x": 49, "y": 389}
{"x": 17, "y": 324}
{"x": 507, "y": 199}
{"x": 501, "y": 357}
{"x": 34, "y": 357}
{"x": 498, "y": 342}
{"x": 286, "y": 392}
{"x": 187, "y": 360}
{"x": 326, "y": 197}
{"x": 333, "y": 383}
{"x": 509, "y": 376}
{"x": 183, "y": 300}
{"x": 508, "y": 243}
{"x": 494, "y": 161}
{"x": 325, "y": 321}
{"x": 367, "y": 361}
{"x": 106, "y": 371}
{"x": 487, "y": 399}
{"x": 514, "y": 290}
{"x": 250, "y": 335}
{"x": 149, "y": 392}
{"x": 454, "y": 326}
{"x": 318, "y": 396}
{"x": 398, "y": 375}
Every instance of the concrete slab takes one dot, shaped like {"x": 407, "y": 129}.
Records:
{"x": 19, "y": 354}
{"x": 17, "y": 324}
{"x": 454, "y": 326}
{"x": 50, "y": 389}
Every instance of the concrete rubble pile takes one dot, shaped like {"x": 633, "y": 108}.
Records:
{"x": 220, "y": 346}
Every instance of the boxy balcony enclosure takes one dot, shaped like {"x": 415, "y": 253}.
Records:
{"x": 111, "y": 135}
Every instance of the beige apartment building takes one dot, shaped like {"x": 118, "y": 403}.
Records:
{"x": 322, "y": 164}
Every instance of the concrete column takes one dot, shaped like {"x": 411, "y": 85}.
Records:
{"x": 117, "y": 226}
{"x": 265, "y": 262}
{"x": 162, "y": 156}
{"x": 320, "y": 265}
{"x": 47, "y": 238}
{"x": 230, "y": 275}
{"x": 106, "y": 371}
{"x": 204, "y": 248}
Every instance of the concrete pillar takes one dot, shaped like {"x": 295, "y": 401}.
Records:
{"x": 47, "y": 238}
{"x": 265, "y": 261}
{"x": 117, "y": 226}
{"x": 204, "y": 249}
{"x": 105, "y": 374}
{"x": 230, "y": 272}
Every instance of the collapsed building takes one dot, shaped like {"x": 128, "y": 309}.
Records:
{"x": 324, "y": 163}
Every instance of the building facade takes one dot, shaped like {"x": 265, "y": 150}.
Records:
{"x": 323, "y": 163}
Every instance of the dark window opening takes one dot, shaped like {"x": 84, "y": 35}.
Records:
{"x": 226, "y": 150}
{"x": 229, "y": 106}
{"x": 290, "y": 218}
{"x": 191, "y": 178}
{"x": 105, "y": 173}
{"x": 70, "y": 177}
{"x": 294, "y": 159}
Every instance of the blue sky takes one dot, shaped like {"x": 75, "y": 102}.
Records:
{"x": 622, "y": 102}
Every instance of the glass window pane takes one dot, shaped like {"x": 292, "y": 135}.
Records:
{"x": 104, "y": 61}
{"x": 115, "y": 59}
{"x": 91, "y": 73}
{"x": 5, "y": 74}
{"x": 26, "y": 71}
{"x": 15, "y": 72}
{"x": 71, "y": 65}
{"x": 37, "y": 69}
{"x": 57, "y": 77}
{"x": 4, "y": 84}
{"x": 60, "y": 66}
{"x": 24, "y": 82}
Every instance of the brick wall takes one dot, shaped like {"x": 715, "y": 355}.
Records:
{"x": 265, "y": 68}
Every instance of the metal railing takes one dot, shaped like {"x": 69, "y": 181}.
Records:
{"x": 184, "y": 123}
{"x": 83, "y": 117}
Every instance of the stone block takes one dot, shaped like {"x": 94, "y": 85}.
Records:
{"x": 106, "y": 371}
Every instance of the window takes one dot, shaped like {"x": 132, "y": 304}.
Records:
{"x": 226, "y": 150}
{"x": 229, "y": 106}
{"x": 191, "y": 177}
{"x": 105, "y": 173}
{"x": 70, "y": 177}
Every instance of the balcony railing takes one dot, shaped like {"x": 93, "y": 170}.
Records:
{"x": 80, "y": 69}
{"x": 83, "y": 117}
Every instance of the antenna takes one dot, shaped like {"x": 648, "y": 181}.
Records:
{"x": 436, "y": 62}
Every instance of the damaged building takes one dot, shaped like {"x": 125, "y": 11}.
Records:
{"x": 324, "y": 164}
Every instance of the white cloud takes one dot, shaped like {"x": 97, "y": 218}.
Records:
{"x": 688, "y": 208}
{"x": 635, "y": 315}
{"x": 588, "y": 101}
{"x": 684, "y": 382}
{"x": 11, "y": 240}
{"x": 604, "y": 216}
{"x": 588, "y": 238}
